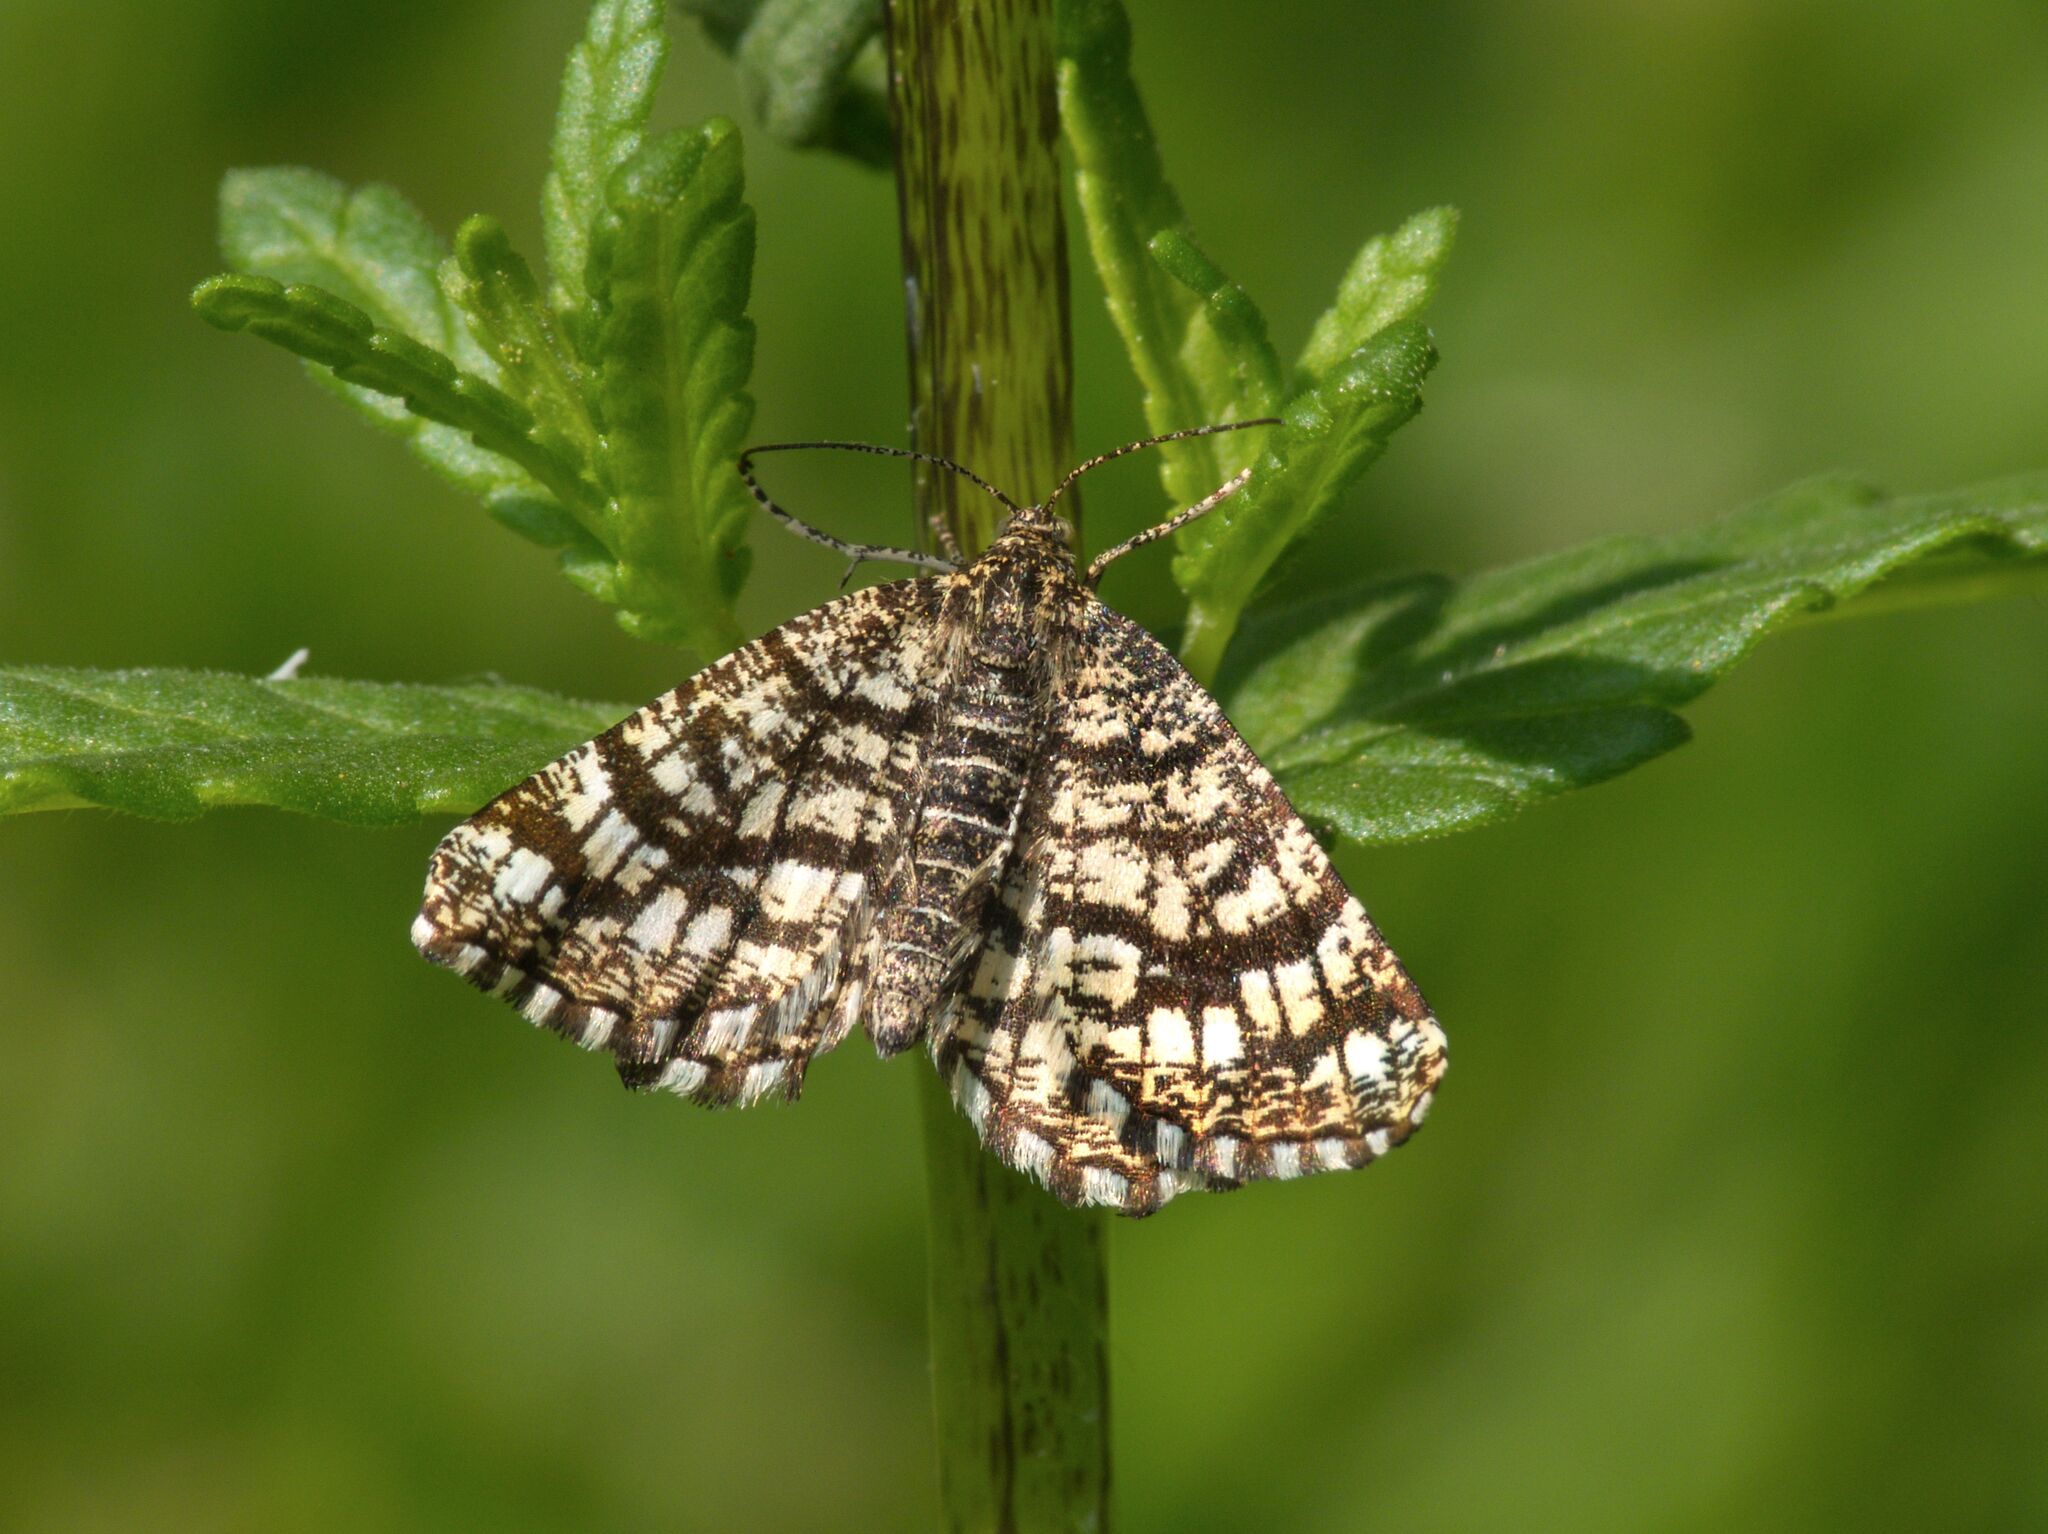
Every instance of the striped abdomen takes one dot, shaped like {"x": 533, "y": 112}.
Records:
{"x": 973, "y": 780}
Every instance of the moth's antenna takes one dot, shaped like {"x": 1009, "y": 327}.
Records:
{"x": 1131, "y": 447}
{"x": 1173, "y": 524}
{"x": 883, "y": 452}
{"x": 854, "y": 552}
{"x": 947, "y": 542}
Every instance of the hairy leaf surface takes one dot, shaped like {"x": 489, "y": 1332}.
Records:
{"x": 168, "y": 744}
{"x": 1414, "y": 707}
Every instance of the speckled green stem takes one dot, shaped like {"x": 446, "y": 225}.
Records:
{"x": 984, "y": 250}
{"x": 1020, "y": 1364}
{"x": 1019, "y": 1302}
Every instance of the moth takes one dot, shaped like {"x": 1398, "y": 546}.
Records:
{"x": 976, "y": 811}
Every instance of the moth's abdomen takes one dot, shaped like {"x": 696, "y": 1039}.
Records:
{"x": 974, "y": 775}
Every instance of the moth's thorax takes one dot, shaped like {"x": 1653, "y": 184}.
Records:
{"x": 1034, "y": 553}
{"x": 1023, "y": 587}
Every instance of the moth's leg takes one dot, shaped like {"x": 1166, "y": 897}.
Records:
{"x": 854, "y": 552}
{"x": 1173, "y": 524}
{"x": 946, "y": 540}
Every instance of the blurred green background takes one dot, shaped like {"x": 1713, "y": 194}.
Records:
{"x": 1735, "y": 1212}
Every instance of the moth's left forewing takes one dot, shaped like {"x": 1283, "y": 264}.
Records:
{"x": 686, "y": 891}
{"x": 1177, "y": 991}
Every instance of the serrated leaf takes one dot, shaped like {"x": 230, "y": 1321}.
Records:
{"x": 1226, "y": 350}
{"x": 1200, "y": 347}
{"x": 369, "y": 247}
{"x": 365, "y": 245}
{"x": 1195, "y": 341}
{"x": 670, "y": 270}
{"x": 623, "y": 400}
{"x": 495, "y": 289}
{"x": 810, "y": 69}
{"x": 796, "y": 63}
{"x": 168, "y": 744}
{"x": 607, "y": 93}
{"x": 345, "y": 341}
{"x": 1329, "y": 435}
{"x": 1392, "y": 279}
{"x": 1416, "y": 707}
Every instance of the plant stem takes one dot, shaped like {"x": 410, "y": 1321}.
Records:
{"x": 1019, "y": 1297}
{"x": 1019, "y": 1309}
{"x": 971, "y": 91}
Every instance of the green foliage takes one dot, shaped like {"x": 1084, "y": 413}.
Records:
{"x": 1414, "y": 707}
{"x": 668, "y": 277}
{"x": 1403, "y": 709}
{"x": 607, "y": 94}
{"x": 600, "y": 418}
{"x": 346, "y": 342}
{"x": 373, "y": 254}
{"x": 168, "y": 744}
{"x": 1201, "y": 352}
{"x": 1331, "y": 431}
{"x": 369, "y": 247}
{"x": 600, "y": 415}
{"x": 1392, "y": 279}
{"x": 523, "y": 335}
{"x": 812, "y": 69}
{"x": 1126, "y": 204}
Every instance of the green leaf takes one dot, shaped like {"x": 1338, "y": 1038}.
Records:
{"x": 1201, "y": 352}
{"x": 1226, "y": 351}
{"x": 333, "y": 333}
{"x": 370, "y": 249}
{"x": 367, "y": 246}
{"x": 1416, "y": 707}
{"x": 607, "y": 93}
{"x": 670, "y": 269}
{"x": 492, "y": 285}
{"x": 1329, "y": 436}
{"x": 168, "y": 744}
{"x": 1392, "y": 279}
{"x": 603, "y": 422}
{"x": 1196, "y": 342}
{"x": 812, "y": 69}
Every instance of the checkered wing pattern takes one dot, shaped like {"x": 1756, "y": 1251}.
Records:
{"x": 1176, "y": 989}
{"x": 685, "y": 890}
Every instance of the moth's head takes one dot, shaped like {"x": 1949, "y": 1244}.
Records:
{"x": 1041, "y": 524}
